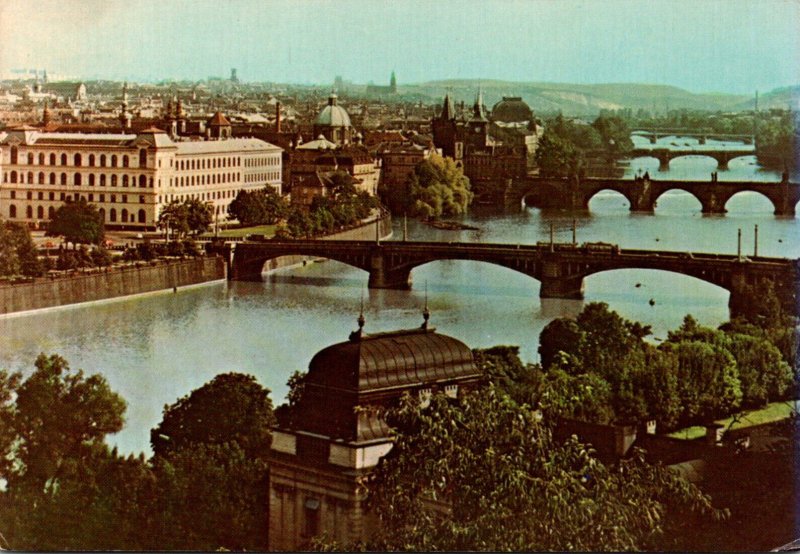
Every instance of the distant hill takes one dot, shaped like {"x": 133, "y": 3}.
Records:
{"x": 587, "y": 100}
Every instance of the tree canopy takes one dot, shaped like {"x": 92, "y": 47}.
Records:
{"x": 190, "y": 216}
{"x": 437, "y": 187}
{"x": 78, "y": 222}
{"x": 258, "y": 207}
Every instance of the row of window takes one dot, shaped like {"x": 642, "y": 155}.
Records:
{"x": 209, "y": 163}
{"x": 78, "y": 179}
{"x": 125, "y": 215}
{"x": 77, "y": 159}
{"x": 215, "y": 179}
{"x": 203, "y": 196}
{"x": 258, "y": 177}
{"x": 63, "y": 197}
{"x": 262, "y": 162}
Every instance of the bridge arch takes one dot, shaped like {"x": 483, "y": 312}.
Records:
{"x": 760, "y": 202}
{"x": 600, "y": 195}
{"x": 251, "y": 266}
{"x": 659, "y": 200}
{"x": 477, "y": 270}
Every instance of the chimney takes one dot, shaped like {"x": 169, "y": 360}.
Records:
{"x": 278, "y": 117}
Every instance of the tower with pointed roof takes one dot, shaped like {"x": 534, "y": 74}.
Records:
{"x": 393, "y": 83}
{"x": 333, "y": 436}
{"x": 445, "y": 131}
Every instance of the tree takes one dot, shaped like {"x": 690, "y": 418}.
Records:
{"x": 29, "y": 263}
{"x": 212, "y": 445}
{"x": 438, "y": 187}
{"x": 78, "y": 222}
{"x": 557, "y": 157}
{"x": 485, "y": 473}
{"x": 232, "y": 407}
{"x": 9, "y": 258}
{"x": 615, "y": 136}
{"x": 199, "y": 215}
{"x": 560, "y": 336}
{"x": 259, "y": 207}
{"x": 174, "y": 217}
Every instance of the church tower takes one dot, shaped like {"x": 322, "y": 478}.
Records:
{"x": 393, "y": 83}
{"x": 445, "y": 131}
{"x": 125, "y": 115}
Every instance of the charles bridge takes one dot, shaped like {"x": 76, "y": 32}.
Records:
{"x": 560, "y": 267}
{"x": 642, "y": 194}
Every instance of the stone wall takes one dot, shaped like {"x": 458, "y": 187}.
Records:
{"x": 101, "y": 284}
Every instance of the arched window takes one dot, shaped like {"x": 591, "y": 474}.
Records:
{"x": 29, "y": 212}
{"x": 102, "y": 160}
{"x": 51, "y": 211}
{"x": 13, "y": 176}
{"x": 52, "y": 178}
{"x": 91, "y": 160}
{"x": 124, "y": 180}
{"x": 114, "y": 160}
{"x": 63, "y": 178}
{"x": 78, "y": 180}
{"x": 125, "y": 160}
{"x": 102, "y": 179}
{"x": 30, "y": 158}
{"x": 142, "y": 157}
{"x": 30, "y": 177}
{"x": 41, "y": 177}
{"x": 40, "y": 212}
{"x": 91, "y": 179}
{"x": 63, "y": 159}
{"x": 102, "y": 212}
{"x": 52, "y": 159}
{"x": 142, "y": 217}
{"x": 14, "y": 154}
{"x": 12, "y": 211}
{"x": 113, "y": 215}
{"x": 41, "y": 159}
{"x": 142, "y": 181}
{"x": 114, "y": 180}
{"x": 78, "y": 160}
{"x": 124, "y": 215}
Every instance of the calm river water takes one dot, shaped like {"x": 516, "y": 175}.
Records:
{"x": 155, "y": 349}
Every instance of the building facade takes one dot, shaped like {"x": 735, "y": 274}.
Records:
{"x": 129, "y": 177}
{"x": 322, "y": 447}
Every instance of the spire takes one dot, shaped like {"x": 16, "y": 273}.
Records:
{"x": 46, "y": 114}
{"x": 356, "y": 335}
{"x": 426, "y": 314}
{"x": 448, "y": 111}
{"x": 332, "y": 98}
{"x": 477, "y": 108}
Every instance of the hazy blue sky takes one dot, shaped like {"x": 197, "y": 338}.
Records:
{"x": 700, "y": 45}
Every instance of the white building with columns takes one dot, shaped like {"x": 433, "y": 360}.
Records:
{"x": 129, "y": 177}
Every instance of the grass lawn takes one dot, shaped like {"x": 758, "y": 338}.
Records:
{"x": 771, "y": 412}
{"x": 266, "y": 230}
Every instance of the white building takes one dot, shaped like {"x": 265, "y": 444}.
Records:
{"x": 130, "y": 177}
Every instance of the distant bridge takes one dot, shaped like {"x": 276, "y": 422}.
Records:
{"x": 644, "y": 193}
{"x": 561, "y": 268}
{"x": 721, "y": 155}
{"x": 702, "y": 135}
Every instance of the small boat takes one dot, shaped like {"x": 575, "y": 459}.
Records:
{"x": 638, "y": 285}
{"x": 652, "y": 302}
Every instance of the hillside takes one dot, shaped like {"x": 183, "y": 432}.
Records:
{"x": 575, "y": 99}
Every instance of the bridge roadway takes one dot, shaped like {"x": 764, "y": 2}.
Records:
{"x": 561, "y": 268}
{"x": 644, "y": 193}
{"x": 703, "y": 135}
{"x": 722, "y": 155}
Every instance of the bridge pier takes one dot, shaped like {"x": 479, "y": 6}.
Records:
{"x": 383, "y": 277}
{"x": 557, "y": 283}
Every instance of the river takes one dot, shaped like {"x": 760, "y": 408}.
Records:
{"x": 154, "y": 349}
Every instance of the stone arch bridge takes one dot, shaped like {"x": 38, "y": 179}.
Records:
{"x": 644, "y": 193}
{"x": 561, "y": 268}
{"x": 721, "y": 155}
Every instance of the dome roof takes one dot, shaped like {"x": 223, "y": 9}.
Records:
{"x": 333, "y": 115}
{"x": 512, "y": 109}
{"x": 390, "y": 360}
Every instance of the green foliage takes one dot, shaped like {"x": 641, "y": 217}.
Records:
{"x": 438, "y": 187}
{"x": 9, "y": 257}
{"x": 22, "y": 244}
{"x": 259, "y": 207}
{"x": 78, "y": 222}
{"x": 183, "y": 218}
{"x": 486, "y": 474}
{"x": 562, "y": 336}
{"x": 615, "y": 136}
{"x": 232, "y": 407}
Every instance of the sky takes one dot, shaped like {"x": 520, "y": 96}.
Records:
{"x": 734, "y": 46}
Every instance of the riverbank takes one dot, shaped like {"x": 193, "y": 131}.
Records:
{"x": 110, "y": 282}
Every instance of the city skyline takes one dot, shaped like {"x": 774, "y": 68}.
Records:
{"x": 691, "y": 45}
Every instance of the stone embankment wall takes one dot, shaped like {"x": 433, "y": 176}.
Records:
{"x": 112, "y": 282}
{"x": 362, "y": 232}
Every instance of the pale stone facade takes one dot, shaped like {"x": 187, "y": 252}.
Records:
{"x": 129, "y": 177}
